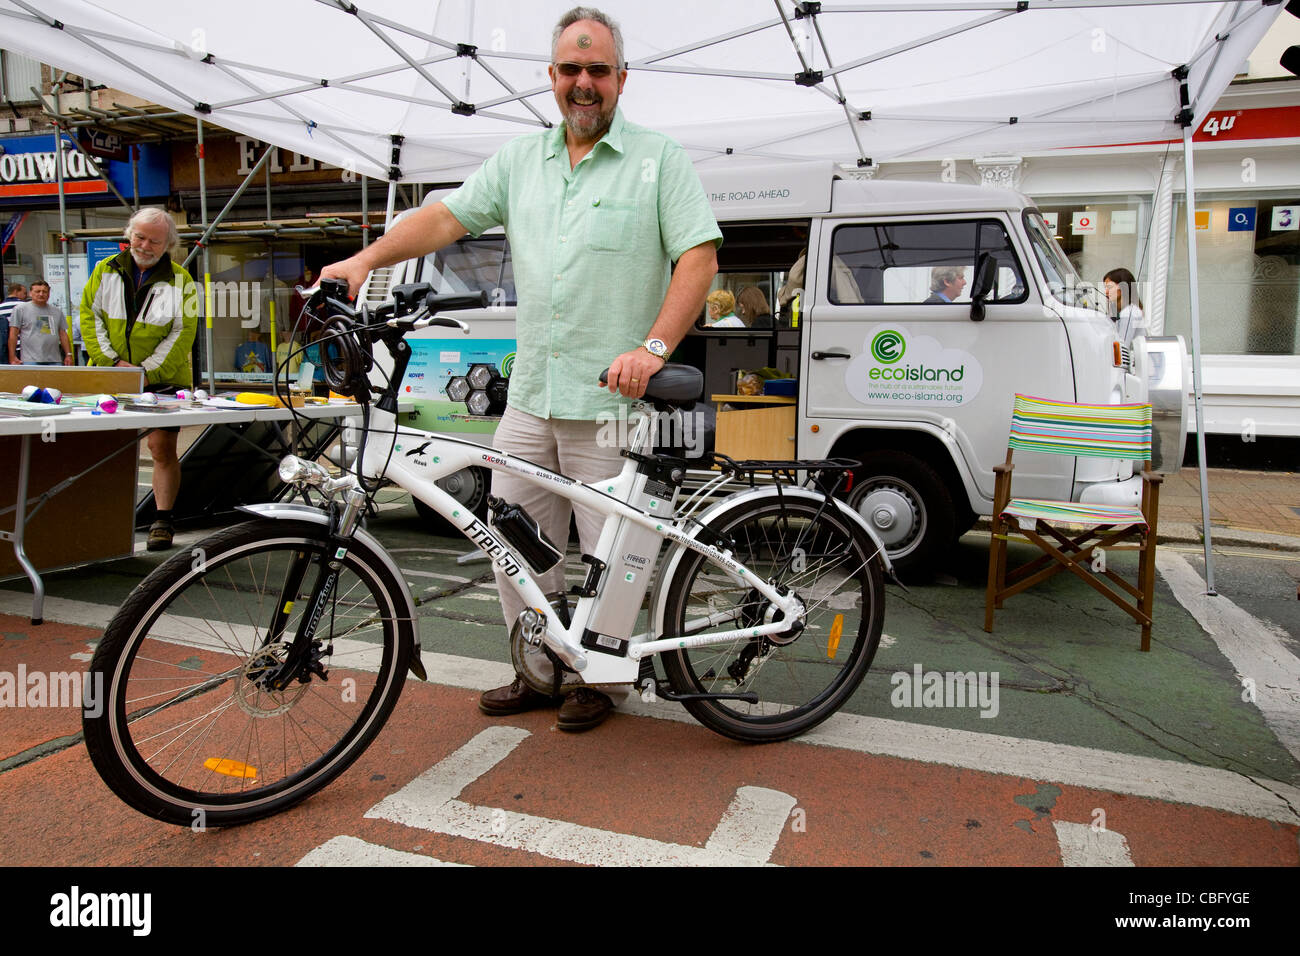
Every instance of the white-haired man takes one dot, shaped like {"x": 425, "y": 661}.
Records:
{"x": 140, "y": 309}
{"x": 946, "y": 283}
{"x": 596, "y": 212}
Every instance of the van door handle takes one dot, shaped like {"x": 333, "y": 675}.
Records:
{"x": 826, "y": 355}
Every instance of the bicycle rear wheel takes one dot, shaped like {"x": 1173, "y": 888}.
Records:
{"x": 188, "y": 732}
{"x": 800, "y": 679}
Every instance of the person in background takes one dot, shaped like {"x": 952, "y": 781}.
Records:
{"x": 1125, "y": 307}
{"x": 753, "y": 309}
{"x": 15, "y": 293}
{"x": 721, "y": 306}
{"x": 946, "y": 283}
{"x": 140, "y": 309}
{"x": 40, "y": 331}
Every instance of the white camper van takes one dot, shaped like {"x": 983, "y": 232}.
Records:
{"x": 902, "y": 317}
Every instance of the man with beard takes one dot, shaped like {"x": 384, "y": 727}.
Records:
{"x": 596, "y": 212}
{"x": 140, "y": 309}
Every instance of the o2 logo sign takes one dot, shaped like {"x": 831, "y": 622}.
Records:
{"x": 888, "y": 347}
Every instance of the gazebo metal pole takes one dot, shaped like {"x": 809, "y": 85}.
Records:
{"x": 1197, "y": 380}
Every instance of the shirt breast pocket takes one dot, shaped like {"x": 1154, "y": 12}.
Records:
{"x": 612, "y": 225}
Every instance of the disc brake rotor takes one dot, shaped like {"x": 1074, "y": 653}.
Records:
{"x": 253, "y": 698}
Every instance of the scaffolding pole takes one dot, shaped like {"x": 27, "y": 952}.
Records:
{"x": 207, "y": 269}
{"x": 63, "y": 216}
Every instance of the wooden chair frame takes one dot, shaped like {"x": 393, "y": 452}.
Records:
{"x": 1062, "y": 552}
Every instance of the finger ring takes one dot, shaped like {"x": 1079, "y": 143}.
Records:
{"x": 636, "y": 380}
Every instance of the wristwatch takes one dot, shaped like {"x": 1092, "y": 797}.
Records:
{"x": 656, "y": 347}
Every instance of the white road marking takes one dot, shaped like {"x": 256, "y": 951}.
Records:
{"x": 1258, "y": 651}
{"x": 753, "y": 823}
{"x": 1081, "y": 845}
{"x": 746, "y": 836}
{"x": 1169, "y": 780}
{"x": 349, "y": 851}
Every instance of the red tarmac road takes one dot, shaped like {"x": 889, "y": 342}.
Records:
{"x": 459, "y": 787}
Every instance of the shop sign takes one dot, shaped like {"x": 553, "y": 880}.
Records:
{"x": 101, "y": 143}
{"x": 1268, "y": 122}
{"x": 1085, "y": 223}
{"x": 1123, "y": 222}
{"x": 27, "y": 170}
{"x": 1286, "y": 218}
{"x": 1241, "y": 219}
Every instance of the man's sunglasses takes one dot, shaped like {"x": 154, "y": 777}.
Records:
{"x": 597, "y": 71}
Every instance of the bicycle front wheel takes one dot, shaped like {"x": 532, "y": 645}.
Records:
{"x": 800, "y": 679}
{"x": 189, "y": 731}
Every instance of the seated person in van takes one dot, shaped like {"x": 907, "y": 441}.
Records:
{"x": 844, "y": 287}
{"x": 946, "y": 283}
{"x": 752, "y": 307}
{"x": 721, "y": 307}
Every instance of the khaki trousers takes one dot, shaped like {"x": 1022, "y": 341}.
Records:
{"x": 570, "y": 448}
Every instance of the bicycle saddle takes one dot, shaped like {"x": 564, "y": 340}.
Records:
{"x": 674, "y": 383}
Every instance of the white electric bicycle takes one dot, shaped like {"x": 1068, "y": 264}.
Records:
{"x": 245, "y": 674}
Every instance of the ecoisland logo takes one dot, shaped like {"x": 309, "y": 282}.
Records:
{"x": 888, "y": 347}
{"x": 896, "y": 367}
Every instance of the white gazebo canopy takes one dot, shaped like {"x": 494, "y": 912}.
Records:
{"x": 424, "y": 91}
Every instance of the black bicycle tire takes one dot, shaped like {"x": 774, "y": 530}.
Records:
{"x": 116, "y": 755}
{"x": 723, "y": 717}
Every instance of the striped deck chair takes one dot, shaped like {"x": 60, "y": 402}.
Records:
{"x": 1085, "y": 431}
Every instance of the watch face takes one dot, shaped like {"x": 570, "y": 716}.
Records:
{"x": 656, "y": 347}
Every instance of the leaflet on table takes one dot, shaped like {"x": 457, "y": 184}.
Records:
{"x": 20, "y": 408}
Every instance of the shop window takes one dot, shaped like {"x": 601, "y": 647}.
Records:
{"x": 1100, "y": 236}
{"x": 1248, "y": 272}
{"x": 901, "y": 263}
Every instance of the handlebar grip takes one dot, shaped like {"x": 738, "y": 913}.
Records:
{"x": 334, "y": 289}
{"x": 459, "y": 300}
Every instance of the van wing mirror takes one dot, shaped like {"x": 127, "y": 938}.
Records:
{"x": 986, "y": 271}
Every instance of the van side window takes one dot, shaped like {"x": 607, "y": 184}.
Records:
{"x": 472, "y": 265}
{"x": 912, "y": 263}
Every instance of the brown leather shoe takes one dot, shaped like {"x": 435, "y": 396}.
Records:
{"x": 514, "y": 699}
{"x": 160, "y": 536}
{"x": 583, "y": 709}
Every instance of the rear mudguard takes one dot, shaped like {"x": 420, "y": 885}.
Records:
{"x": 289, "y": 512}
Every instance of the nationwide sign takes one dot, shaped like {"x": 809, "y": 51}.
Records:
{"x": 34, "y": 173}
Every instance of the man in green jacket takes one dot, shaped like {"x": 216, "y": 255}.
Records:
{"x": 140, "y": 309}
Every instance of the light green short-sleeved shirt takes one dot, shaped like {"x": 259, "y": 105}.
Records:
{"x": 591, "y": 247}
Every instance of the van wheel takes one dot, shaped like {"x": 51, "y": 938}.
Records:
{"x": 469, "y": 486}
{"x": 907, "y": 504}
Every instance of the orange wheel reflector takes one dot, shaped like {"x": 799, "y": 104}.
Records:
{"x": 833, "y": 642}
{"x": 230, "y": 768}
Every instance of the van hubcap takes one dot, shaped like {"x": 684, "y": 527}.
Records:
{"x": 894, "y": 514}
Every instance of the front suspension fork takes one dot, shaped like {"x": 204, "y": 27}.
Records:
{"x": 300, "y": 662}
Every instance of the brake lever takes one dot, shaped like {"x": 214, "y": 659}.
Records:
{"x": 427, "y": 321}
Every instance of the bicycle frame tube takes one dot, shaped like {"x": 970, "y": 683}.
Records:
{"x": 417, "y": 459}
